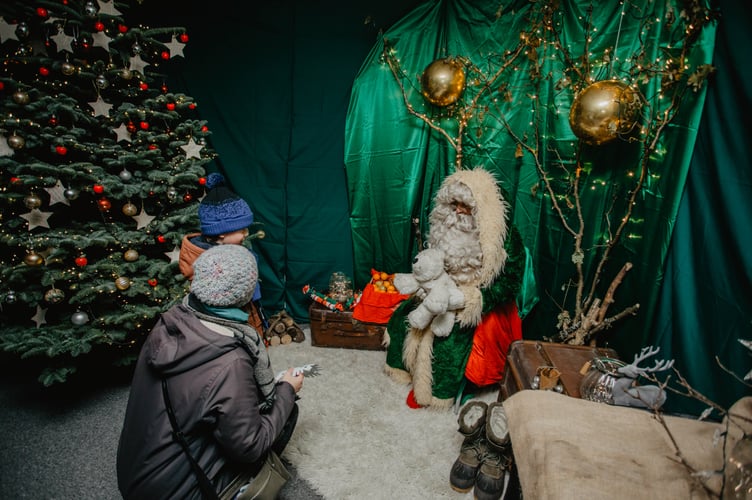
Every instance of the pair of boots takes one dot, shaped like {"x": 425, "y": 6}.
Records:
{"x": 485, "y": 460}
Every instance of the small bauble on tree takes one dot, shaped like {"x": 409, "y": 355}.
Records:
{"x": 443, "y": 81}
{"x": 604, "y": 111}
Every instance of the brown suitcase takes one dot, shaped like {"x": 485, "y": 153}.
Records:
{"x": 526, "y": 358}
{"x": 339, "y": 329}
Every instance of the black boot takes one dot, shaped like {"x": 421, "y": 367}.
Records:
{"x": 495, "y": 471}
{"x": 472, "y": 419}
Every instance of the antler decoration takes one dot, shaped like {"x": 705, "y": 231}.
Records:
{"x": 633, "y": 370}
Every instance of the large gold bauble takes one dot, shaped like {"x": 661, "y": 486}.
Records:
{"x": 130, "y": 255}
{"x": 33, "y": 259}
{"x": 443, "y": 81}
{"x": 604, "y": 111}
{"x": 130, "y": 209}
{"x": 122, "y": 283}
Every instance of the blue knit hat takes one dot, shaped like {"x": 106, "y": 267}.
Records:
{"x": 222, "y": 211}
{"x": 225, "y": 276}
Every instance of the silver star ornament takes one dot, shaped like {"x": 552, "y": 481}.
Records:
{"x": 37, "y": 218}
{"x": 192, "y": 150}
{"x": 57, "y": 194}
{"x": 63, "y": 41}
{"x": 40, "y": 317}
{"x": 175, "y": 47}
{"x": 100, "y": 107}
{"x": 108, "y": 8}
{"x": 7, "y": 31}
{"x": 122, "y": 133}
{"x": 143, "y": 219}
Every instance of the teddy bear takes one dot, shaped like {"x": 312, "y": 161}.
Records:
{"x": 439, "y": 293}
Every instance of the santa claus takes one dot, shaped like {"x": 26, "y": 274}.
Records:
{"x": 486, "y": 259}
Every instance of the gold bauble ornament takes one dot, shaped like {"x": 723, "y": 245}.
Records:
{"x": 16, "y": 141}
{"x": 122, "y": 283}
{"x": 32, "y": 201}
{"x": 130, "y": 255}
{"x": 604, "y": 111}
{"x": 54, "y": 295}
{"x": 33, "y": 259}
{"x": 443, "y": 81}
{"x": 130, "y": 209}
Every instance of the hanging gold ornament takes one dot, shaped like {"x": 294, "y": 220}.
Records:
{"x": 16, "y": 141}
{"x": 54, "y": 295}
{"x": 443, "y": 81}
{"x": 33, "y": 259}
{"x": 130, "y": 209}
{"x": 130, "y": 255}
{"x": 122, "y": 283}
{"x": 32, "y": 201}
{"x": 604, "y": 111}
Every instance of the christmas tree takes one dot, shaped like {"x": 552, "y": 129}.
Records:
{"x": 101, "y": 169}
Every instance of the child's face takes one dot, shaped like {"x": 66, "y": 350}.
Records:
{"x": 233, "y": 238}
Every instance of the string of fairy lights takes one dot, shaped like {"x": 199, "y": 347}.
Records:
{"x": 629, "y": 92}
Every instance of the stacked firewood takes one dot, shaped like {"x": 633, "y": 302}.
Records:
{"x": 283, "y": 330}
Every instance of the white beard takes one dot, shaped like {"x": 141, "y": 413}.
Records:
{"x": 458, "y": 236}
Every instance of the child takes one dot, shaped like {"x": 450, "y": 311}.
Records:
{"x": 224, "y": 218}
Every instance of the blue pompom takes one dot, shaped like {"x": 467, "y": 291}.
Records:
{"x": 214, "y": 179}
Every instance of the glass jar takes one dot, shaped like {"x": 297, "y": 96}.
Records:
{"x": 598, "y": 383}
{"x": 340, "y": 287}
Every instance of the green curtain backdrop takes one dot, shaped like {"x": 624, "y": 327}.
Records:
{"x": 395, "y": 162}
{"x": 705, "y": 304}
{"x": 273, "y": 81}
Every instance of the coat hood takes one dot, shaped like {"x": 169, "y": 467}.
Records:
{"x": 180, "y": 341}
{"x": 490, "y": 212}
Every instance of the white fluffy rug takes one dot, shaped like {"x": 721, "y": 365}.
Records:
{"x": 357, "y": 438}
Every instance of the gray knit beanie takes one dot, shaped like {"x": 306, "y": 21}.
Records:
{"x": 225, "y": 276}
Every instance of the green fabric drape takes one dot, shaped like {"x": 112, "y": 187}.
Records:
{"x": 273, "y": 81}
{"x": 705, "y": 304}
{"x": 395, "y": 162}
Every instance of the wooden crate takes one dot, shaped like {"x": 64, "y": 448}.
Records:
{"x": 339, "y": 329}
{"x": 525, "y": 357}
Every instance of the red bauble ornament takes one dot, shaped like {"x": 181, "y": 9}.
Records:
{"x": 61, "y": 150}
{"x": 99, "y": 26}
{"x": 52, "y": 121}
{"x": 184, "y": 38}
{"x": 104, "y": 204}
{"x": 143, "y": 86}
{"x": 202, "y": 181}
{"x": 152, "y": 147}
{"x": 98, "y": 188}
{"x": 161, "y": 239}
{"x": 130, "y": 127}
{"x": 192, "y": 106}
{"x": 44, "y": 71}
{"x": 165, "y": 55}
{"x": 152, "y": 281}
{"x": 15, "y": 180}
{"x": 144, "y": 125}
{"x": 187, "y": 197}
{"x": 81, "y": 261}
{"x": 2, "y": 86}
{"x": 171, "y": 106}
{"x": 122, "y": 28}
{"x": 164, "y": 88}
{"x": 204, "y": 129}
{"x": 42, "y": 12}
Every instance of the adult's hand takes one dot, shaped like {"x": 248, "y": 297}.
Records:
{"x": 296, "y": 381}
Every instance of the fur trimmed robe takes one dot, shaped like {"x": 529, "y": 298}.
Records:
{"x": 488, "y": 323}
